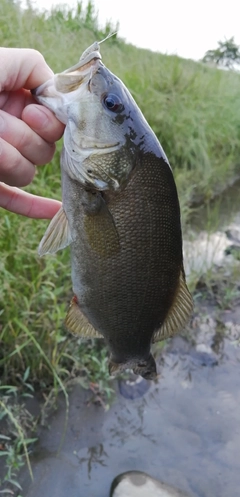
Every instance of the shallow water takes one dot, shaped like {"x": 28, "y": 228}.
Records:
{"x": 208, "y": 238}
{"x": 217, "y": 213}
{"x": 185, "y": 430}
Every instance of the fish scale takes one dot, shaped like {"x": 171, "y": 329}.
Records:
{"x": 128, "y": 304}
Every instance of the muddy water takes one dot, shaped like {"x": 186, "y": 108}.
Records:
{"x": 184, "y": 430}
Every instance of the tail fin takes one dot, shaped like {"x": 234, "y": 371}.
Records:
{"x": 145, "y": 367}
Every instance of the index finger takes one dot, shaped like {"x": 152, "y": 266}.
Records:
{"x": 21, "y": 202}
{"x": 22, "y": 68}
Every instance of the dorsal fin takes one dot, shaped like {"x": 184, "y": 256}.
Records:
{"x": 179, "y": 313}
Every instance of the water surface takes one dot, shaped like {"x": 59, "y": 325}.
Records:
{"x": 185, "y": 430}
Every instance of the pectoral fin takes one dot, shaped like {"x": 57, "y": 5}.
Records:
{"x": 178, "y": 314}
{"x": 77, "y": 324}
{"x": 100, "y": 228}
{"x": 57, "y": 235}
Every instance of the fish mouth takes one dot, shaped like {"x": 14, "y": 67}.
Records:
{"x": 89, "y": 55}
{"x": 59, "y": 91}
{"x": 69, "y": 80}
{"x": 88, "y": 64}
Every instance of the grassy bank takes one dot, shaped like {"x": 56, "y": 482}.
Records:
{"x": 195, "y": 112}
{"x": 193, "y": 109}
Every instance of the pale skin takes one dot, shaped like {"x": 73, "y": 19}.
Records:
{"x": 28, "y": 132}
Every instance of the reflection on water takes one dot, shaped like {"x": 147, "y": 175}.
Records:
{"x": 204, "y": 250}
{"x": 214, "y": 234}
{"x": 184, "y": 431}
{"x": 217, "y": 213}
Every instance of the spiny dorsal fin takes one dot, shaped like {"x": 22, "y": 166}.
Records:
{"x": 57, "y": 235}
{"x": 77, "y": 324}
{"x": 178, "y": 314}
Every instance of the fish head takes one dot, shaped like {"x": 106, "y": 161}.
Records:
{"x": 105, "y": 130}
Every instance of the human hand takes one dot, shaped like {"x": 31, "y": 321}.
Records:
{"x": 27, "y": 131}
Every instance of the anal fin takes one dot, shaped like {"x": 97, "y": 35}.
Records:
{"x": 57, "y": 235}
{"x": 77, "y": 324}
{"x": 179, "y": 313}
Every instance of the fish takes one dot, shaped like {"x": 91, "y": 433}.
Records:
{"x": 120, "y": 215}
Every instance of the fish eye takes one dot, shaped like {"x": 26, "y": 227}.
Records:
{"x": 112, "y": 102}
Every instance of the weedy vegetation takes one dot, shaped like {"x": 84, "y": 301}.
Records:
{"x": 195, "y": 112}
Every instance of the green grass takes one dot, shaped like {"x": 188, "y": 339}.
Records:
{"x": 195, "y": 112}
{"x": 194, "y": 109}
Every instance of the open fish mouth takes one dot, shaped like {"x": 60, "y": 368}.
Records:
{"x": 66, "y": 81}
{"x": 72, "y": 78}
{"x": 88, "y": 57}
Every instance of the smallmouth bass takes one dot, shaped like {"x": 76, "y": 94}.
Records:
{"x": 120, "y": 214}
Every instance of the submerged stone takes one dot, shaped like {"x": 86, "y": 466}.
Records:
{"x": 139, "y": 484}
{"x": 134, "y": 387}
{"x": 233, "y": 250}
{"x": 233, "y": 234}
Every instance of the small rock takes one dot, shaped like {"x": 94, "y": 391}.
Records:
{"x": 202, "y": 347}
{"x": 233, "y": 250}
{"x": 204, "y": 359}
{"x": 233, "y": 234}
{"x": 139, "y": 484}
{"x": 134, "y": 387}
